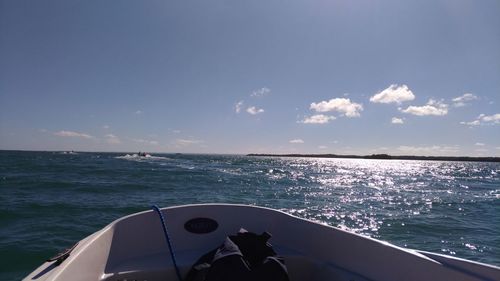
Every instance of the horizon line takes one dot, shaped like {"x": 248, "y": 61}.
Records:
{"x": 375, "y": 156}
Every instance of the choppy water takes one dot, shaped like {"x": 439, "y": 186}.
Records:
{"x": 50, "y": 200}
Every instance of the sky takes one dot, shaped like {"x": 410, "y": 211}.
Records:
{"x": 346, "y": 77}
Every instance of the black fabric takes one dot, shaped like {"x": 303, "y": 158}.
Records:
{"x": 245, "y": 256}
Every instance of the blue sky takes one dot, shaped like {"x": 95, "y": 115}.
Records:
{"x": 362, "y": 77}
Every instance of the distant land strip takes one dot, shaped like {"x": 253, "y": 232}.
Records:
{"x": 386, "y": 156}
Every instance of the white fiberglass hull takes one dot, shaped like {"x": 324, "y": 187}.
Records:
{"x": 135, "y": 248}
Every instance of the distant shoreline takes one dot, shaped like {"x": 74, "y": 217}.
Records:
{"x": 387, "y": 157}
{"x": 373, "y": 156}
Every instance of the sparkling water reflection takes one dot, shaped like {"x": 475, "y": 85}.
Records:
{"x": 447, "y": 205}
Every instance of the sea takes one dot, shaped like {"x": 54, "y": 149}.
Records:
{"x": 50, "y": 200}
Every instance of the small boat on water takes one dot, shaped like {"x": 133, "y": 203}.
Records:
{"x": 143, "y": 154}
{"x": 135, "y": 248}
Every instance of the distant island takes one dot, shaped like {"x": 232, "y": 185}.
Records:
{"x": 387, "y": 157}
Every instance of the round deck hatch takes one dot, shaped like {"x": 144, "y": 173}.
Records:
{"x": 201, "y": 225}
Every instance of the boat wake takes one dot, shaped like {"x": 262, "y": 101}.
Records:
{"x": 136, "y": 157}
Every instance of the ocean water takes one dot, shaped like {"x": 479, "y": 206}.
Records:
{"x": 50, "y": 200}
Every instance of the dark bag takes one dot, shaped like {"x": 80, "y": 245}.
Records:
{"x": 245, "y": 256}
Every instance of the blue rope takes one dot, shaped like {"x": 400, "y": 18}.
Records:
{"x": 167, "y": 237}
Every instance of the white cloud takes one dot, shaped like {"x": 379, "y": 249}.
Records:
{"x": 396, "y": 120}
{"x": 260, "y": 92}
{"x": 187, "y": 142}
{"x": 484, "y": 120}
{"x": 461, "y": 101}
{"x": 471, "y": 123}
{"x": 254, "y": 110}
{"x": 105, "y": 127}
{"x": 238, "y": 106}
{"x": 342, "y": 105}
{"x": 436, "y": 108}
{"x": 112, "y": 139}
{"x": 479, "y": 144}
{"x": 393, "y": 94}
{"x": 143, "y": 141}
{"x": 318, "y": 119}
{"x": 138, "y": 112}
{"x": 322, "y": 147}
{"x": 435, "y": 149}
{"x": 296, "y": 141}
{"x": 495, "y": 118}
{"x": 73, "y": 134}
